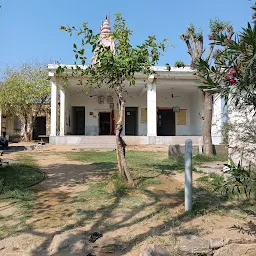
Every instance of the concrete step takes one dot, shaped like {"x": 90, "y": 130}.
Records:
{"x": 98, "y": 142}
{"x": 98, "y": 146}
{"x": 98, "y": 139}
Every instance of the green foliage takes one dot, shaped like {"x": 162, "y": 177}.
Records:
{"x": 192, "y": 31}
{"x": 236, "y": 182}
{"x": 96, "y": 191}
{"x": 121, "y": 186}
{"x": 25, "y": 92}
{"x": 233, "y": 72}
{"x": 144, "y": 164}
{"x": 200, "y": 158}
{"x": 15, "y": 188}
{"x": 217, "y": 26}
{"x": 179, "y": 64}
{"x": 24, "y": 88}
{"x": 138, "y": 160}
{"x": 212, "y": 182}
{"x": 18, "y": 177}
{"x": 240, "y": 181}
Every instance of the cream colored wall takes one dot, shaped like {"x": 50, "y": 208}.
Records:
{"x": 196, "y": 112}
{"x": 91, "y": 105}
{"x": 242, "y": 135}
{"x": 68, "y": 114}
{"x": 191, "y": 101}
{"x": 185, "y": 101}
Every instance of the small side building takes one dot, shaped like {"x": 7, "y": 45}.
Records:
{"x": 13, "y": 127}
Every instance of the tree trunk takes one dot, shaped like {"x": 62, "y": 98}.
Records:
{"x": 28, "y": 128}
{"x": 207, "y": 125}
{"x": 120, "y": 144}
{"x": 27, "y": 132}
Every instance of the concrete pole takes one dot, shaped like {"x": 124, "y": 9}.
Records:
{"x": 54, "y": 103}
{"x": 151, "y": 110}
{"x": 62, "y": 112}
{"x": 188, "y": 175}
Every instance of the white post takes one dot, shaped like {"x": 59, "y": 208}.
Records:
{"x": 53, "y": 108}
{"x": 151, "y": 110}
{"x": 62, "y": 112}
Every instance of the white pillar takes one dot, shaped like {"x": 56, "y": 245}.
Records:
{"x": 62, "y": 112}
{"x": 217, "y": 120}
{"x": 151, "y": 110}
{"x": 54, "y": 103}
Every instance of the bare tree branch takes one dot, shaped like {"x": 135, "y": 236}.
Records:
{"x": 210, "y": 52}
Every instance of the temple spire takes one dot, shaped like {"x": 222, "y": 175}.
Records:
{"x": 105, "y": 32}
{"x": 105, "y": 36}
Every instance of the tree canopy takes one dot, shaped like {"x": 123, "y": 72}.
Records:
{"x": 232, "y": 73}
{"x": 25, "y": 91}
{"x": 196, "y": 49}
{"x": 113, "y": 66}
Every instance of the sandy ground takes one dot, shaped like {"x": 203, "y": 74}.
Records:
{"x": 55, "y": 201}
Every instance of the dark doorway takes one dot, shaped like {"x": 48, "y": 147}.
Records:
{"x": 39, "y": 127}
{"x": 131, "y": 121}
{"x": 79, "y": 120}
{"x": 165, "y": 122}
{"x": 104, "y": 123}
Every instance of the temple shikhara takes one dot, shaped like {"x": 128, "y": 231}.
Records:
{"x": 105, "y": 31}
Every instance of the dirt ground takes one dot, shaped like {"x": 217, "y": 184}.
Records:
{"x": 54, "y": 148}
{"x": 55, "y": 204}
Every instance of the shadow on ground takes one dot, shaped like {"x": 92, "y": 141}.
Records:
{"x": 151, "y": 212}
{"x": 14, "y": 148}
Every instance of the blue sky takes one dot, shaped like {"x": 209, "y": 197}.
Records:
{"x": 30, "y": 28}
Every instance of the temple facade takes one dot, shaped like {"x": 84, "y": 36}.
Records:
{"x": 164, "y": 108}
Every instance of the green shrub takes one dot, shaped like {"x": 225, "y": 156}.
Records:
{"x": 240, "y": 181}
{"x": 179, "y": 64}
{"x": 236, "y": 182}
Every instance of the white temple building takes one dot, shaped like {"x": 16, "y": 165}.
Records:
{"x": 165, "y": 108}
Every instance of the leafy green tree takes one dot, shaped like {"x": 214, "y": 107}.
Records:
{"x": 232, "y": 76}
{"x": 233, "y": 73}
{"x": 25, "y": 92}
{"x": 111, "y": 68}
{"x": 195, "y": 44}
